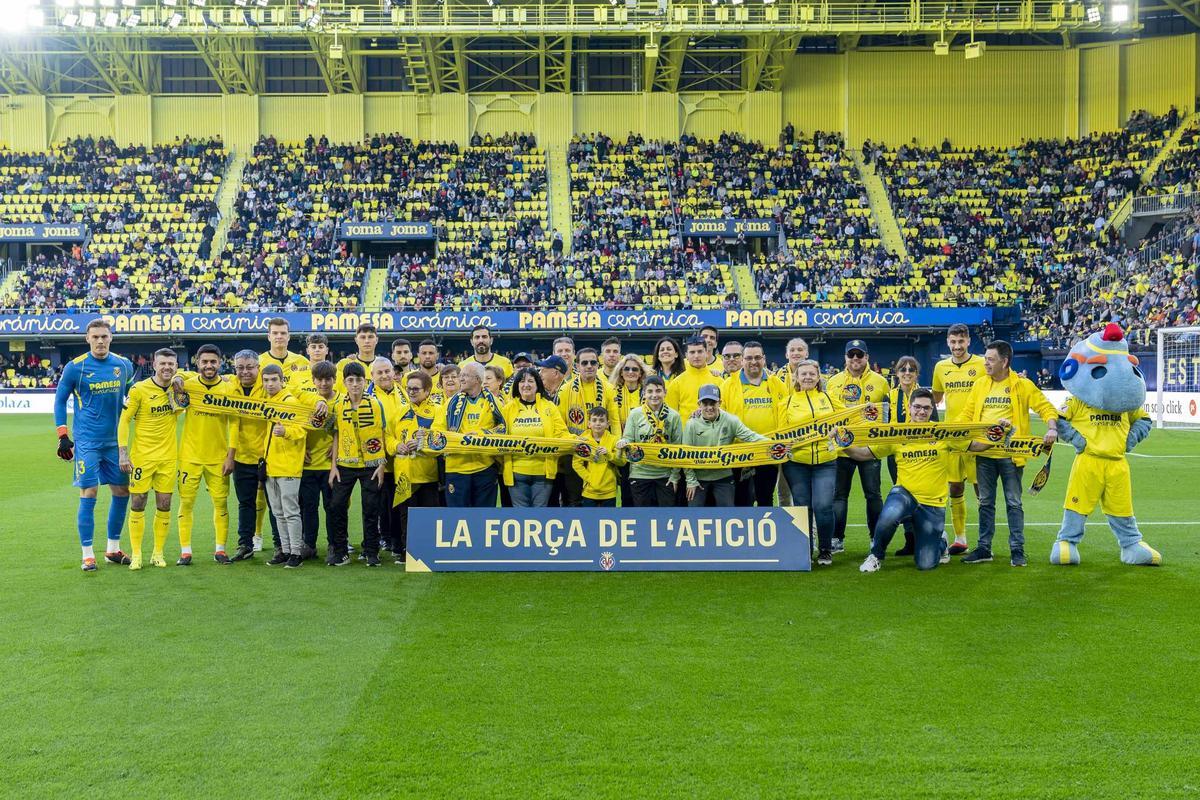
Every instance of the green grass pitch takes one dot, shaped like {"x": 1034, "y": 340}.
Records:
{"x": 248, "y": 681}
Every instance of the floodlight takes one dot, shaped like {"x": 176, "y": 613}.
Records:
{"x": 974, "y": 50}
{"x": 87, "y": 3}
{"x": 129, "y": 3}
{"x": 312, "y": 3}
{"x": 200, "y": 3}
{"x": 241, "y": 3}
{"x": 941, "y": 48}
{"x": 70, "y": 20}
{"x": 1120, "y": 13}
{"x": 312, "y": 22}
{"x": 174, "y": 20}
{"x": 133, "y": 20}
{"x": 108, "y": 3}
{"x": 65, "y": 3}
{"x": 263, "y": 3}
{"x": 111, "y": 19}
{"x": 88, "y": 19}
{"x": 1093, "y": 14}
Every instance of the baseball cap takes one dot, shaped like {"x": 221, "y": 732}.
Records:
{"x": 520, "y": 356}
{"x": 710, "y": 391}
{"x": 857, "y": 344}
{"x": 554, "y": 362}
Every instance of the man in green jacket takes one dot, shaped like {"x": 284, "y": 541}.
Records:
{"x": 653, "y": 421}
{"x": 713, "y": 427}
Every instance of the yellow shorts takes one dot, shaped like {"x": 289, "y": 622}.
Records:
{"x": 157, "y": 475}
{"x": 191, "y": 474}
{"x": 1099, "y": 480}
{"x": 960, "y": 467}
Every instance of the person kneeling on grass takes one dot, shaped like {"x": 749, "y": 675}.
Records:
{"x": 920, "y": 492}
{"x": 599, "y": 469}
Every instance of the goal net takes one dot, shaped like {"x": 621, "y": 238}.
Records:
{"x": 1176, "y": 402}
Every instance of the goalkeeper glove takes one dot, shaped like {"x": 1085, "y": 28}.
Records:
{"x": 66, "y": 448}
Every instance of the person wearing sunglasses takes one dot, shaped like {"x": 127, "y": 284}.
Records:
{"x": 576, "y": 399}
{"x": 855, "y": 385}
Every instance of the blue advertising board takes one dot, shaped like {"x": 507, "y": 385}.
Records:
{"x": 608, "y": 539}
{"x": 433, "y": 322}
{"x": 53, "y": 233}
{"x": 386, "y": 231}
{"x": 729, "y": 228}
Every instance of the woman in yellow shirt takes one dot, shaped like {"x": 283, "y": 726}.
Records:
{"x": 631, "y": 373}
{"x": 531, "y": 413}
{"x": 405, "y": 435}
{"x": 812, "y": 470}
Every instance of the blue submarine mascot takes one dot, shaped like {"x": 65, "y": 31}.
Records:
{"x": 1103, "y": 419}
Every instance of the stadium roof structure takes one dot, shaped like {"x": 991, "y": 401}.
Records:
{"x": 427, "y": 46}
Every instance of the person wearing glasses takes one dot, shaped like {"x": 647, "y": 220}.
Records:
{"x": 855, "y": 385}
{"x": 631, "y": 373}
{"x": 731, "y": 358}
{"x": 753, "y": 395}
{"x": 576, "y": 399}
{"x": 531, "y": 413}
{"x": 907, "y": 372}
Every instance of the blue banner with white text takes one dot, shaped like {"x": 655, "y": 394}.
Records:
{"x": 608, "y": 539}
{"x": 729, "y": 228}
{"x": 54, "y": 233}
{"x": 386, "y": 231}
{"x": 434, "y": 322}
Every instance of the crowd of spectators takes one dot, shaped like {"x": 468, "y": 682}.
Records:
{"x": 1180, "y": 171}
{"x": 27, "y": 371}
{"x": 151, "y": 213}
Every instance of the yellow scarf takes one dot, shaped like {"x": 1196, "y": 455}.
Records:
{"x": 293, "y": 412}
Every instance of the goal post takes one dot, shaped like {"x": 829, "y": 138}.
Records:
{"x": 1177, "y": 397}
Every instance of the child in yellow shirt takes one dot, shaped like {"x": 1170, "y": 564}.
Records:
{"x": 599, "y": 468}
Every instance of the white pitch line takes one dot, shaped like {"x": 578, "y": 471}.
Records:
{"x": 1149, "y": 455}
{"x": 513, "y": 561}
{"x": 1000, "y": 524}
{"x": 699, "y": 560}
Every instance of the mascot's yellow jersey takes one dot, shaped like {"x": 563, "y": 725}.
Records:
{"x": 1106, "y": 433}
{"x": 921, "y": 468}
{"x": 955, "y": 381}
{"x": 754, "y": 405}
{"x": 293, "y": 365}
{"x": 150, "y": 408}
{"x": 870, "y": 387}
{"x": 205, "y": 439}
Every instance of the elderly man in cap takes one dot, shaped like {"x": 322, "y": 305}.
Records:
{"x": 713, "y": 427}
{"x": 855, "y": 385}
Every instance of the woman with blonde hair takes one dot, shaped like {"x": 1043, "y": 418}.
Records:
{"x": 630, "y": 375}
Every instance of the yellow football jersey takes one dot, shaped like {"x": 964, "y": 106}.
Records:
{"x": 497, "y": 360}
{"x": 205, "y": 439}
{"x": 954, "y": 381}
{"x": 150, "y": 408}
{"x": 339, "y": 384}
{"x": 921, "y": 468}
{"x": 292, "y": 364}
{"x": 1106, "y": 433}
{"x": 870, "y": 387}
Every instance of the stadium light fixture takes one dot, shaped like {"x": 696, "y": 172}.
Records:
{"x": 312, "y": 22}
{"x": 241, "y": 3}
{"x": 174, "y": 20}
{"x": 108, "y": 3}
{"x": 133, "y": 20}
{"x": 1093, "y": 14}
{"x": 87, "y": 19}
{"x": 129, "y": 3}
{"x": 1120, "y": 13}
{"x": 263, "y": 3}
{"x": 111, "y": 20}
{"x": 200, "y": 3}
{"x": 70, "y": 20}
{"x": 768, "y": 2}
{"x": 312, "y": 3}
{"x": 65, "y": 3}
{"x": 86, "y": 3}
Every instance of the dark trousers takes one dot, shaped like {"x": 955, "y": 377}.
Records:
{"x": 246, "y": 486}
{"x": 568, "y": 486}
{"x": 812, "y": 486}
{"x": 652, "y": 493}
{"x": 424, "y": 495}
{"x": 625, "y": 491}
{"x": 868, "y": 473}
{"x": 476, "y": 490}
{"x": 339, "y": 511}
{"x": 386, "y": 494}
{"x": 314, "y": 493}
{"x": 759, "y": 487}
{"x": 909, "y": 531}
{"x": 721, "y": 491}
{"x": 929, "y": 524}
{"x": 587, "y": 502}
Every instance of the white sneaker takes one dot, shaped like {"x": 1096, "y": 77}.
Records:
{"x": 945, "y": 559}
{"x": 872, "y": 564}
{"x": 258, "y": 544}
{"x": 839, "y": 546}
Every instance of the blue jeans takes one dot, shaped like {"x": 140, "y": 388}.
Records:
{"x": 813, "y": 485}
{"x": 929, "y": 524}
{"x": 476, "y": 490}
{"x": 987, "y": 471}
{"x": 587, "y": 502}
{"x": 530, "y": 491}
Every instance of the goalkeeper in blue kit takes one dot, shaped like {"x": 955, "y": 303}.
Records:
{"x": 98, "y": 381}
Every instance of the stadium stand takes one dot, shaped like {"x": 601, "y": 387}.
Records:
{"x": 1180, "y": 172}
{"x": 150, "y": 212}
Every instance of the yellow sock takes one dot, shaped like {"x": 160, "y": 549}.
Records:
{"x": 260, "y": 511}
{"x": 958, "y": 516}
{"x": 186, "y": 504}
{"x": 221, "y": 522}
{"x": 162, "y": 525}
{"x": 137, "y": 531}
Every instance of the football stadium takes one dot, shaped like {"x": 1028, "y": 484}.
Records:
{"x": 347, "y": 348}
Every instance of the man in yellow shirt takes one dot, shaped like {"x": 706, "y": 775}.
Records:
{"x": 684, "y": 388}
{"x": 428, "y": 353}
{"x": 203, "y": 446}
{"x": 471, "y": 480}
{"x": 853, "y": 386}
{"x": 285, "y": 452}
{"x": 154, "y": 458}
{"x": 752, "y": 395}
{"x": 953, "y": 379}
{"x": 919, "y": 494}
{"x": 715, "y": 363}
{"x": 316, "y": 347}
{"x": 385, "y": 389}
{"x": 576, "y": 399}
{"x": 280, "y": 336}
{"x": 315, "y": 491}
{"x": 366, "y": 339}
{"x": 481, "y": 342}
{"x": 1002, "y": 394}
